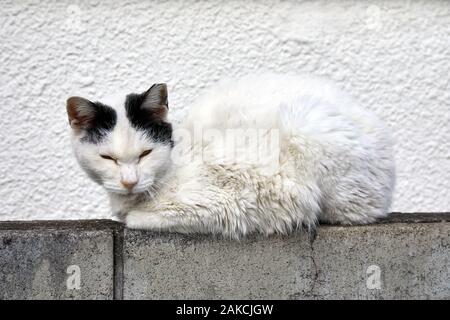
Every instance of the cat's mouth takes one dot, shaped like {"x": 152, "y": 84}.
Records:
{"x": 124, "y": 191}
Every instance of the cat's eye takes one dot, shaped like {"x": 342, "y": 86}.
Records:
{"x": 145, "y": 153}
{"x": 105, "y": 156}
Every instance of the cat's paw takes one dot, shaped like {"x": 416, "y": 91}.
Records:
{"x": 134, "y": 220}
{"x": 148, "y": 221}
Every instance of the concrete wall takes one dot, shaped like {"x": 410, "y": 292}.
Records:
{"x": 404, "y": 257}
{"x": 393, "y": 56}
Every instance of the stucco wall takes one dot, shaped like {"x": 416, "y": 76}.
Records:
{"x": 393, "y": 56}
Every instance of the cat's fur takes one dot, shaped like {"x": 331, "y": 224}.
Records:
{"x": 332, "y": 160}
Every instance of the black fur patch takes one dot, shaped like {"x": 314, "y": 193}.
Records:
{"x": 104, "y": 120}
{"x": 144, "y": 120}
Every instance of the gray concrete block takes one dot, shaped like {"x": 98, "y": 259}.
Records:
{"x": 172, "y": 266}
{"x": 383, "y": 261}
{"x": 44, "y": 260}
{"x": 389, "y": 260}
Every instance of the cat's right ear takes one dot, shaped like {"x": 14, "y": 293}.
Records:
{"x": 155, "y": 101}
{"x": 81, "y": 113}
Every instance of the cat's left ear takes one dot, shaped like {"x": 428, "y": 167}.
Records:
{"x": 81, "y": 113}
{"x": 155, "y": 101}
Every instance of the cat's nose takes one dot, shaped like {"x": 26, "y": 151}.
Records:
{"x": 128, "y": 184}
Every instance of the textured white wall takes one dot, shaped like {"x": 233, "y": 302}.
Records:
{"x": 394, "y": 56}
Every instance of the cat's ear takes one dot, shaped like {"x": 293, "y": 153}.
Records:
{"x": 155, "y": 101}
{"x": 81, "y": 113}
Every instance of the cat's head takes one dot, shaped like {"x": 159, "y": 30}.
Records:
{"x": 124, "y": 144}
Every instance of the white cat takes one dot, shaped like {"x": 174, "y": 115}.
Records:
{"x": 266, "y": 153}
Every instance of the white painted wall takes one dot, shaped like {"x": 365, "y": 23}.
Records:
{"x": 394, "y": 56}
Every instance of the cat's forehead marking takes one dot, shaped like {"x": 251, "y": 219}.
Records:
{"x": 124, "y": 141}
{"x": 134, "y": 127}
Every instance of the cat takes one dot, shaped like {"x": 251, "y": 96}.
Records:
{"x": 329, "y": 160}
